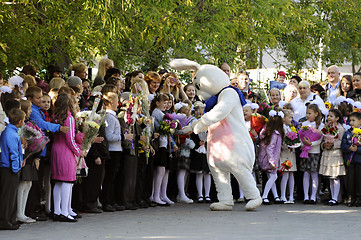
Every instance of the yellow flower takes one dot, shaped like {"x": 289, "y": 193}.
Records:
{"x": 357, "y": 131}
{"x": 328, "y": 105}
{"x": 293, "y": 129}
{"x": 93, "y": 124}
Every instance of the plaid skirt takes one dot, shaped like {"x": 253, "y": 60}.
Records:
{"x": 311, "y": 163}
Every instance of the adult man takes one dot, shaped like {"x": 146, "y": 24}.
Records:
{"x": 226, "y": 68}
{"x": 333, "y": 75}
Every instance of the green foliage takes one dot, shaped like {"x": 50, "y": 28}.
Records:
{"x": 145, "y": 34}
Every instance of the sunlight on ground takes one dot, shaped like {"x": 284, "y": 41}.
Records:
{"x": 322, "y": 211}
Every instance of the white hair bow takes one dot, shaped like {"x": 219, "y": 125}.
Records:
{"x": 252, "y": 105}
{"x": 179, "y": 105}
{"x": 16, "y": 81}
{"x": 273, "y": 113}
{"x": 357, "y": 105}
{"x": 5, "y": 89}
{"x": 339, "y": 100}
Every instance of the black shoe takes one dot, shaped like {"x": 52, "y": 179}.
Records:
{"x": 163, "y": 205}
{"x": 9, "y": 226}
{"x": 208, "y": 199}
{"x": 265, "y": 201}
{"x": 93, "y": 210}
{"x": 312, "y": 202}
{"x": 117, "y": 207}
{"x": 108, "y": 208}
{"x": 56, "y": 217}
{"x": 332, "y": 202}
{"x": 306, "y": 201}
{"x": 66, "y": 219}
{"x": 130, "y": 206}
{"x": 143, "y": 204}
{"x": 200, "y": 199}
{"x": 277, "y": 200}
{"x": 77, "y": 216}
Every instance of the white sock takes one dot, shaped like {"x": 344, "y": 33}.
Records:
{"x": 157, "y": 184}
{"x": 25, "y": 196}
{"x": 57, "y": 197}
{"x": 291, "y": 185}
{"x": 284, "y": 181}
{"x": 199, "y": 184}
{"x": 314, "y": 176}
{"x": 180, "y": 182}
{"x": 70, "y": 210}
{"x": 20, "y": 195}
{"x": 64, "y": 204}
{"x": 207, "y": 184}
{"x": 306, "y": 184}
{"x": 336, "y": 188}
{"x": 272, "y": 177}
{"x": 163, "y": 191}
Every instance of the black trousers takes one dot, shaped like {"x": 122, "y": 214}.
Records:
{"x": 141, "y": 175}
{"x": 353, "y": 176}
{"x": 91, "y": 186}
{"x": 111, "y": 169}
{"x": 148, "y": 180}
{"x": 127, "y": 179}
{"x": 9, "y": 183}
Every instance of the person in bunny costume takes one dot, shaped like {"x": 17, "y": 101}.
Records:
{"x": 230, "y": 147}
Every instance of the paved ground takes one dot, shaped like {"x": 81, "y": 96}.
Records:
{"x": 196, "y": 221}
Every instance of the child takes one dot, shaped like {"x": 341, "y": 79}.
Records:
{"x": 199, "y": 163}
{"x": 113, "y": 135}
{"x": 280, "y": 81}
{"x": 255, "y": 123}
{"x": 331, "y": 164}
{"x": 288, "y": 154}
{"x": 10, "y": 164}
{"x": 352, "y": 155}
{"x": 310, "y": 165}
{"x": 162, "y": 160}
{"x": 271, "y": 142}
{"x": 28, "y": 174}
{"x": 46, "y": 108}
{"x": 63, "y": 159}
{"x": 184, "y": 160}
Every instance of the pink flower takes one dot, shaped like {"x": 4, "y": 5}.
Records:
{"x": 291, "y": 135}
{"x": 173, "y": 124}
{"x": 168, "y": 116}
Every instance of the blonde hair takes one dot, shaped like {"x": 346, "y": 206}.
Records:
{"x": 30, "y": 80}
{"x": 109, "y": 97}
{"x": 56, "y": 82}
{"x": 103, "y": 64}
{"x": 77, "y": 67}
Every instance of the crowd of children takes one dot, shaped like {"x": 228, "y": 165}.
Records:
{"x": 140, "y": 157}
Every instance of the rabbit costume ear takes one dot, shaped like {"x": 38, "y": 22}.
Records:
{"x": 184, "y": 64}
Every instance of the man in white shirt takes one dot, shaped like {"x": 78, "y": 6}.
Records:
{"x": 333, "y": 75}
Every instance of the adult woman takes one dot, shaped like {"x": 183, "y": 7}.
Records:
{"x": 345, "y": 85}
{"x": 306, "y": 96}
{"x": 295, "y": 80}
{"x": 172, "y": 85}
{"x": 80, "y": 70}
{"x": 104, "y": 65}
{"x": 56, "y": 83}
{"x": 153, "y": 80}
{"x": 319, "y": 91}
{"x": 275, "y": 97}
{"x": 355, "y": 94}
{"x": 290, "y": 93}
{"x": 190, "y": 91}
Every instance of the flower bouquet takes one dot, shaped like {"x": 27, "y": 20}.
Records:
{"x": 355, "y": 140}
{"x": 35, "y": 137}
{"x": 264, "y": 109}
{"x": 330, "y": 132}
{"x": 292, "y": 139}
{"x": 168, "y": 125}
{"x": 312, "y": 134}
{"x": 286, "y": 165}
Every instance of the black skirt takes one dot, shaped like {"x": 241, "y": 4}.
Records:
{"x": 199, "y": 163}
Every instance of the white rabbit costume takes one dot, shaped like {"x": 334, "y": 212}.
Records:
{"x": 229, "y": 145}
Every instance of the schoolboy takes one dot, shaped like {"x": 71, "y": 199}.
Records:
{"x": 10, "y": 164}
{"x": 352, "y": 159}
